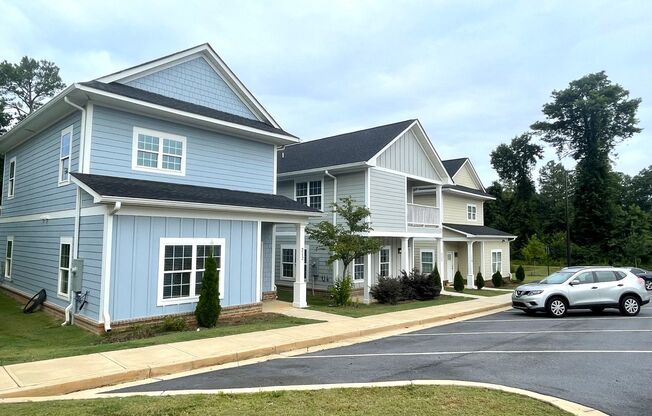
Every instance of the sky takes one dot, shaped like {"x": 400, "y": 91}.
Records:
{"x": 475, "y": 73}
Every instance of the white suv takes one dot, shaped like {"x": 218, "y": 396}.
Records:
{"x": 594, "y": 288}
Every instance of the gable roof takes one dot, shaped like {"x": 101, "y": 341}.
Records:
{"x": 342, "y": 149}
{"x": 477, "y": 230}
{"x": 453, "y": 165}
{"x": 467, "y": 190}
{"x": 110, "y": 188}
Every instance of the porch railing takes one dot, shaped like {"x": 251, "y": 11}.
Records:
{"x": 422, "y": 215}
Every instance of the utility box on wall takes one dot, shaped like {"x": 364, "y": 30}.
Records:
{"x": 76, "y": 271}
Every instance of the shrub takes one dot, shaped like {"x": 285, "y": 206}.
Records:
{"x": 387, "y": 290}
{"x": 520, "y": 273}
{"x": 421, "y": 286}
{"x": 479, "y": 280}
{"x": 174, "y": 324}
{"x": 208, "y": 308}
{"x": 341, "y": 291}
{"x": 437, "y": 277}
{"x": 458, "y": 282}
{"x": 497, "y": 279}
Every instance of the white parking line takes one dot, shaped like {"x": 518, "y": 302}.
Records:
{"x": 534, "y": 319}
{"x": 584, "y": 331}
{"x": 414, "y": 354}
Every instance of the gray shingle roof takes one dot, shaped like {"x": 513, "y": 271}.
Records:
{"x": 477, "y": 230}
{"x": 357, "y": 146}
{"x": 110, "y": 186}
{"x": 468, "y": 190}
{"x": 453, "y": 165}
{"x": 150, "y": 97}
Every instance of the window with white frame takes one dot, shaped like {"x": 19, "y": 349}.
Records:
{"x": 182, "y": 265}
{"x": 9, "y": 255}
{"x": 64, "y": 156}
{"x": 287, "y": 261}
{"x": 159, "y": 151}
{"x": 384, "y": 261}
{"x": 358, "y": 268}
{"x": 65, "y": 250}
{"x": 496, "y": 261}
{"x": 427, "y": 261}
{"x": 309, "y": 193}
{"x": 471, "y": 212}
{"x": 11, "y": 182}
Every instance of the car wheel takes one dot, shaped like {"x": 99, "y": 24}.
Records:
{"x": 597, "y": 309}
{"x": 557, "y": 307}
{"x": 630, "y": 305}
{"x": 648, "y": 284}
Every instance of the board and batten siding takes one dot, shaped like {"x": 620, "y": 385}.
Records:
{"x": 463, "y": 177}
{"x": 37, "y": 187}
{"x": 406, "y": 155}
{"x": 266, "y": 239}
{"x": 387, "y": 193}
{"x": 194, "y": 81}
{"x": 212, "y": 159}
{"x": 91, "y": 233}
{"x": 455, "y": 209}
{"x": 135, "y": 263}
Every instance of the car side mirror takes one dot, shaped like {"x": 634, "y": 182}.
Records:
{"x": 575, "y": 282}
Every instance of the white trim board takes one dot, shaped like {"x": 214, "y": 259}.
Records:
{"x": 45, "y": 216}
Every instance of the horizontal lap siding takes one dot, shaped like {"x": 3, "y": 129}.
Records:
{"x": 424, "y": 244}
{"x": 35, "y": 263}
{"x": 463, "y": 177}
{"x": 134, "y": 280}
{"x": 388, "y": 194}
{"x": 455, "y": 210}
{"x": 194, "y": 81}
{"x": 212, "y": 159}
{"x": 91, "y": 231}
{"x": 37, "y": 172}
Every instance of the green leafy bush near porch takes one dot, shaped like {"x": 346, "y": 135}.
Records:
{"x": 437, "y": 277}
{"x": 520, "y": 273}
{"x": 208, "y": 307}
{"x": 479, "y": 280}
{"x": 458, "y": 282}
{"x": 341, "y": 291}
{"x": 412, "y": 286}
{"x": 388, "y": 290}
{"x": 497, "y": 279}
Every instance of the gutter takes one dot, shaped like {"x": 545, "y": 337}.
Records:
{"x": 108, "y": 247}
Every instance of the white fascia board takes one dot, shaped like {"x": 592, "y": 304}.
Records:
{"x": 97, "y": 198}
{"x": 262, "y": 135}
{"x": 402, "y": 234}
{"x": 491, "y": 237}
{"x": 439, "y": 164}
{"x": 322, "y": 169}
{"x": 469, "y": 194}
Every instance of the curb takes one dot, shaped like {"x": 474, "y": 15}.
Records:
{"x": 129, "y": 375}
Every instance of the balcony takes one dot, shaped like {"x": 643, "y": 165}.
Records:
{"x": 422, "y": 216}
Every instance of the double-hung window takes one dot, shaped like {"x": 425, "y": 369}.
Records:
{"x": 182, "y": 263}
{"x": 471, "y": 212}
{"x": 11, "y": 181}
{"x": 158, "y": 151}
{"x": 427, "y": 261}
{"x": 385, "y": 261}
{"x": 9, "y": 255}
{"x": 496, "y": 261}
{"x": 288, "y": 261}
{"x": 64, "y": 156}
{"x": 309, "y": 193}
{"x": 63, "y": 286}
{"x": 358, "y": 268}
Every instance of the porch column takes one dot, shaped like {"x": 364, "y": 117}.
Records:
{"x": 469, "y": 264}
{"x": 440, "y": 204}
{"x": 367, "y": 280}
{"x": 299, "y": 299}
{"x": 405, "y": 254}
{"x": 440, "y": 259}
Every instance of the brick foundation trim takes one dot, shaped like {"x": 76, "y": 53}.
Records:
{"x": 269, "y": 295}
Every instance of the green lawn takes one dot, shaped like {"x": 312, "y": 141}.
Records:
{"x": 477, "y": 292}
{"x": 321, "y": 302}
{"x": 409, "y": 400}
{"x": 38, "y": 336}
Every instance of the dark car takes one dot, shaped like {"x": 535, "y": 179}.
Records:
{"x": 643, "y": 274}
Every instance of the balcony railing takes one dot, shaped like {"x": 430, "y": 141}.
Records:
{"x": 422, "y": 215}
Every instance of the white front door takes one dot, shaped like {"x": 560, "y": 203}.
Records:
{"x": 450, "y": 265}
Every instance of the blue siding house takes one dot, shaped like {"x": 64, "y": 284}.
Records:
{"x": 115, "y": 191}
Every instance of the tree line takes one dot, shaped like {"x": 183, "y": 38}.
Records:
{"x": 591, "y": 214}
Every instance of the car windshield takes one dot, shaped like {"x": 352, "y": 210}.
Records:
{"x": 556, "y": 278}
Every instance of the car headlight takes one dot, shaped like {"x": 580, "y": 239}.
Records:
{"x": 536, "y": 292}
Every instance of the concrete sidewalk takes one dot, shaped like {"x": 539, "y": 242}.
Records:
{"x": 69, "y": 374}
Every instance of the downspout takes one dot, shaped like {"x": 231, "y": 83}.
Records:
{"x": 327, "y": 173}
{"x": 75, "y": 247}
{"x": 107, "y": 281}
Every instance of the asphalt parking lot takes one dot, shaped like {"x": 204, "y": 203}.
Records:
{"x": 600, "y": 360}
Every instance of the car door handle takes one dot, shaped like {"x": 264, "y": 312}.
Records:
{"x": 594, "y": 287}
{"x": 620, "y": 284}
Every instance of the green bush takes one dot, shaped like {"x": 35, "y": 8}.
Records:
{"x": 387, "y": 290}
{"x": 437, "y": 277}
{"x": 497, "y": 279}
{"x": 458, "y": 282}
{"x": 419, "y": 286}
{"x": 520, "y": 273}
{"x": 208, "y": 308}
{"x": 341, "y": 291}
{"x": 479, "y": 280}
{"x": 174, "y": 324}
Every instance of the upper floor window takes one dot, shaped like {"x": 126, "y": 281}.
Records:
{"x": 64, "y": 156}
{"x": 158, "y": 151}
{"x": 11, "y": 183}
{"x": 471, "y": 212}
{"x": 309, "y": 193}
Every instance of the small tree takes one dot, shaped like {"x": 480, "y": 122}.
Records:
{"x": 534, "y": 250}
{"x": 458, "y": 282}
{"x": 520, "y": 273}
{"x": 436, "y": 276}
{"x": 479, "y": 280}
{"x": 497, "y": 279}
{"x": 208, "y": 307}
